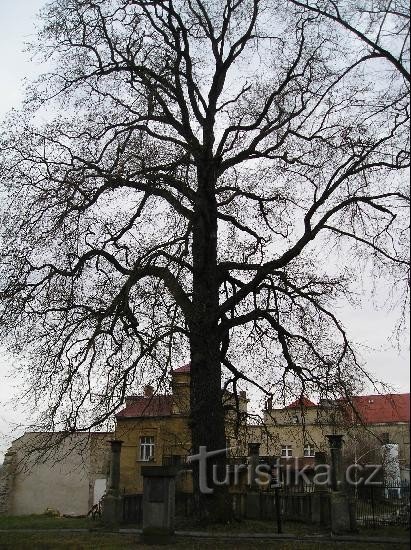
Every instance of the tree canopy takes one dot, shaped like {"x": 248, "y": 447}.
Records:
{"x": 202, "y": 178}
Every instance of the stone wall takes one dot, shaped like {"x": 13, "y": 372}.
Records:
{"x": 6, "y": 482}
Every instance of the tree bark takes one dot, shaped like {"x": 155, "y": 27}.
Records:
{"x": 207, "y": 414}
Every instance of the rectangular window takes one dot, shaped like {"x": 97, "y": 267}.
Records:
{"x": 385, "y": 438}
{"x": 286, "y": 451}
{"x": 146, "y": 448}
{"x": 309, "y": 450}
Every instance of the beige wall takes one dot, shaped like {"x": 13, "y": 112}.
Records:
{"x": 63, "y": 481}
{"x": 172, "y": 436}
{"x": 296, "y": 427}
{"x": 365, "y": 443}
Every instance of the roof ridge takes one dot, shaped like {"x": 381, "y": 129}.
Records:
{"x": 183, "y": 369}
{"x": 381, "y": 395}
{"x": 147, "y": 406}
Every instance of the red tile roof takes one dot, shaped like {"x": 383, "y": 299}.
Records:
{"x": 149, "y": 406}
{"x": 142, "y": 407}
{"x": 376, "y": 409}
{"x": 185, "y": 369}
{"x": 302, "y": 402}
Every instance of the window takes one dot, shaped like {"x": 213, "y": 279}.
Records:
{"x": 385, "y": 438}
{"x": 309, "y": 450}
{"x": 146, "y": 447}
{"x": 286, "y": 451}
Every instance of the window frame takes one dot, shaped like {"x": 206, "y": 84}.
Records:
{"x": 310, "y": 448}
{"x": 286, "y": 451}
{"x": 146, "y": 448}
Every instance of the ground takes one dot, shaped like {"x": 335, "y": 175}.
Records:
{"x": 94, "y": 541}
{"x": 45, "y": 533}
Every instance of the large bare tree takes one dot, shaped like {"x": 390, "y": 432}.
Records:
{"x": 181, "y": 180}
{"x": 382, "y": 26}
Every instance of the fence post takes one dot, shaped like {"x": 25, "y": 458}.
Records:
{"x": 373, "y": 507}
{"x": 352, "y": 503}
{"x": 158, "y": 504}
{"x": 112, "y": 506}
{"x": 278, "y": 510}
{"x": 335, "y": 442}
{"x": 320, "y": 495}
{"x": 253, "y": 496}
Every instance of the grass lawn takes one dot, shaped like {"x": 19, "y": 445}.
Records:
{"x": 253, "y": 526}
{"x": 394, "y": 531}
{"x": 45, "y": 522}
{"x": 289, "y": 528}
{"x": 98, "y": 539}
{"x": 105, "y": 541}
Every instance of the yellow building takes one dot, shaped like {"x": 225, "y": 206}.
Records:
{"x": 155, "y": 429}
{"x": 295, "y": 432}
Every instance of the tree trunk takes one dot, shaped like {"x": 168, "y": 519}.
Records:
{"x": 207, "y": 414}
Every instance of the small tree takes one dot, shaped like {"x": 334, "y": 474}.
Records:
{"x": 178, "y": 182}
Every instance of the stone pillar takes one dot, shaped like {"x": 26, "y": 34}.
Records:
{"x": 320, "y": 499}
{"x": 114, "y": 479}
{"x": 252, "y": 504}
{"x": 320, "y": 459}
{"x": 335, "y": 442}
{"x": 254, "y": 457}
{"x": 158, "y": 504}
{"x": 112, "y": 501}
{"x": 341, "y": 520}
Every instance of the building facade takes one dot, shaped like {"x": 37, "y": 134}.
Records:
{"x": 44, "y": 471}
{"x": 155, "y": 429}
{"x": 296, "y": 432}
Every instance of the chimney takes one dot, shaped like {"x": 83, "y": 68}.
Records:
{"x": 269, "y": 404}
{"x": 148, "y": 391}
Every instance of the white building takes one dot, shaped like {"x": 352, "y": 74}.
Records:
{"x": 69, "y": 478}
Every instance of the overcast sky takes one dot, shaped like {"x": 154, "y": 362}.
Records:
{"x": 370, "y": 327}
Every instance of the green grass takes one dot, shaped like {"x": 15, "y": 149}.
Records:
{"x": 253, "y": 526}
{"x": 45, "y": 522}
{"x": 97, "y": 541}
{"x": 288, "y": 527}
{"x": 394, "y": 531}
{"x": 52, "y": 541}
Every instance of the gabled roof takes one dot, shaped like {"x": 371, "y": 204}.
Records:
{"x": 376, "y": 409}
{"x": 142, "y": 407}
{"x": 139, "y": 406}
{"x": 302, "y": 402}
{"x": 185, "y": 369}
